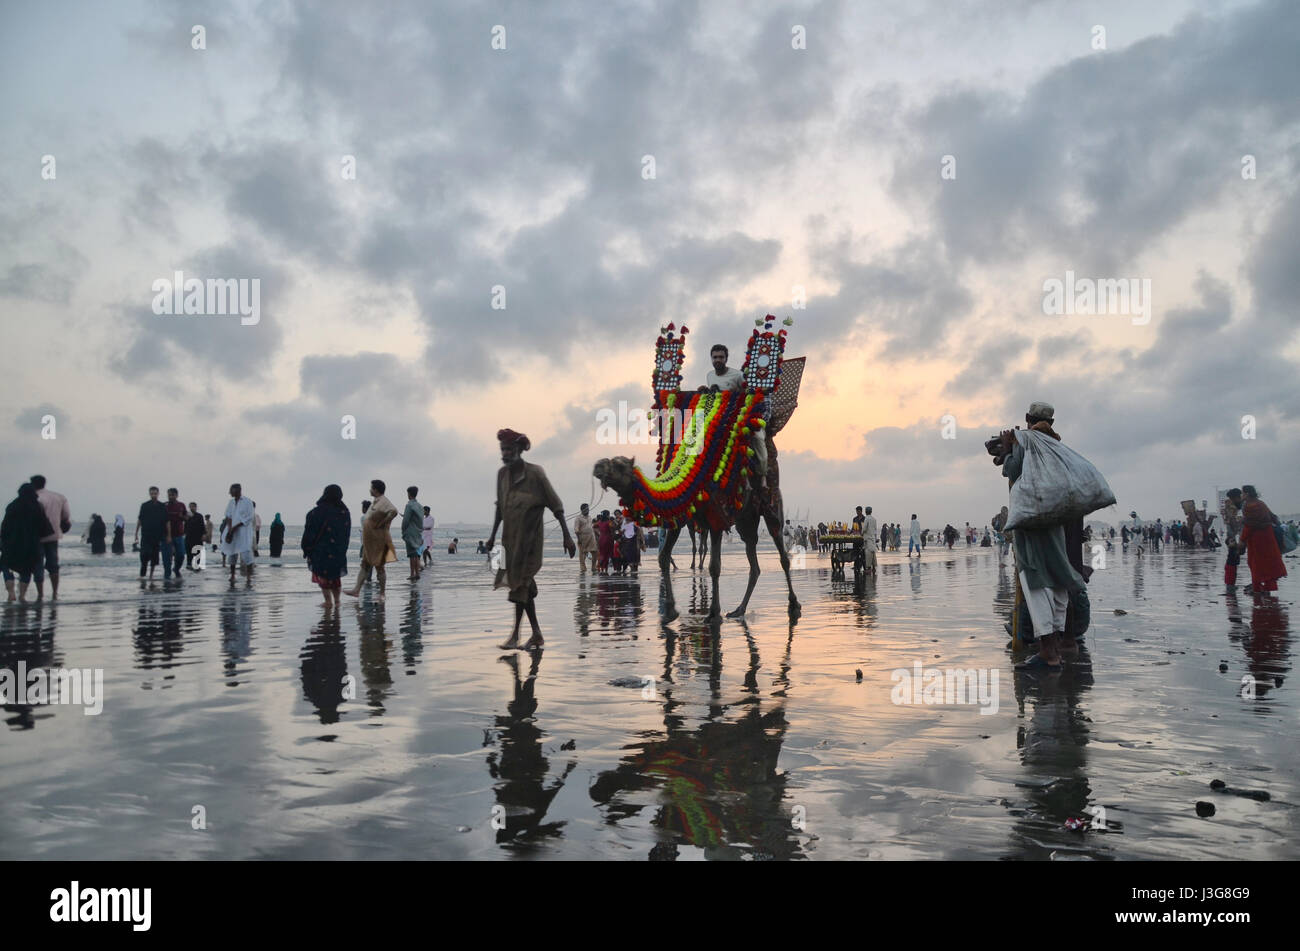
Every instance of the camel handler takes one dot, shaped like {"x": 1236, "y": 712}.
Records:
{"x": 586, "y": 535}
{"x": 722, "y": 377}
{"x": 523, "y": 494}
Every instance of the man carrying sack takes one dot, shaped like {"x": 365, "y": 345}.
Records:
{"x": 1051, "y": 486}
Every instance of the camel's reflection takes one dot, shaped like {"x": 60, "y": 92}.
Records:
{"x": 715, "y": 787}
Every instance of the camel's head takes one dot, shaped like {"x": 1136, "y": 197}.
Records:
{"x": 616, "y": 474}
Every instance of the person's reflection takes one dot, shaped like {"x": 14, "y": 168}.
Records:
{"x": 1052, "y": 741}
{"x": 715, "y": 787}
{"x": 914, "y": 575}
{"x": 236, "y": 632}
{"x": 619, "y": 606}
{"x": 520, "y": 766}
{"x": 584, "y": 604}
{"x": 157, "y": 634}
{"x": 27, "y": 638}
{"x": 1268, "y": 645}
{"x": 375, "y": 672}
{"x": 1004, "y": 596}
{"x": 324, "y": 666}
{"x": 411, "y": 627}
{"x": 868, "y": 611}
{"x": 1139, "y": 580}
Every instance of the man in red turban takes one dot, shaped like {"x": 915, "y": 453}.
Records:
{"x": 523, "y": 494}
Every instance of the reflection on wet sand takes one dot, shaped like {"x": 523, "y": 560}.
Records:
{"x": 376, "y": 673}
{"x": 324, "y": 666}
{"x": 27, "y": 637}
{"x": 412, "y": 630}
{"x": 1267, "y": 646}
{"x": 157, "y": 635}
{"x": 720, "y": 759}
{"x": 236, "y": 633}
{"x": 1052, "y": 742}
{"x": 520, "y": 766}
{"x": 715, "y": 787}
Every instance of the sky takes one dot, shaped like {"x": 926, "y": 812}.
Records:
{"x": 468, "y": 216}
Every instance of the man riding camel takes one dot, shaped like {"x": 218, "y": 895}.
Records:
{"x": 722, "y": 377}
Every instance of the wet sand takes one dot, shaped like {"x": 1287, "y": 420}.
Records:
{"x": 755, "y": 743}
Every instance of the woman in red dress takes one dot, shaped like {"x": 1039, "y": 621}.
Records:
{"x": 1262, "y": 553}
{"x": 604, "y": 542}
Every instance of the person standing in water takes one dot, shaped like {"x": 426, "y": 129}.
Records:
{"x": 376, "y": 543}
{"x": 151, "y": 532}
{"x": 25, "y": 523}
{"x": 174, "y": 554}
{"x": 237, "y": 532}
{"x": 914, "y": 539}
{"x": 586, "y": 538}
{"x": 96, "y": 534}
{"x": 325, "y": 536}
{"x": 426, "y": 536}
{"x": 119, "y": 534}
{"x": 523, "y": 494}
{"x": 413, "y": 530}
{"x": 277, "y": 536}
{"x": 1263, "y": 555}
{"x": 60, "y": 516}
{"x": 195, "y": 531}
{"x": 1048, "y": 579}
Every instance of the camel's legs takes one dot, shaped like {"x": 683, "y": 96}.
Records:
{"x": 667, "y": 605}
{"x": 715, "y": 569}
{"x": 747, "y": 528}
{"x": 774, "y": 520}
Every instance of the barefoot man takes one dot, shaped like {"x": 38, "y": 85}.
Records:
{"x": 376, "y": 544}
{"x": 523, "y": 494}
{"x": 236, "y": 532}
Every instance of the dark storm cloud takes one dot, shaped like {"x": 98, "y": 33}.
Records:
{"x": 1275, "y": 271}
{"x": 1106, "y": 153}
{"x": 283, "y": 191}
{"x": 340, "y": 380}
{"x": 388, "y": 436}
{"x": 986, "y": 365}
{"x": 525, "y": 123}
{"x": 1204, "y": 371}
{"x": 910, "y": 296}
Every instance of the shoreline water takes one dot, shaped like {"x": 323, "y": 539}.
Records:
{"x": 399, "y": 730}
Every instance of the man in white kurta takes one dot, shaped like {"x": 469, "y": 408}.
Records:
{"x": 237, "y": 531}
{"x": 870, "y": 539}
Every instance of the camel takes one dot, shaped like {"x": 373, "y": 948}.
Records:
{"x": 714, "y": 517}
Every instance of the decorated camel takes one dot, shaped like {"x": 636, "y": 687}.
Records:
{"x": 702, "y": 476}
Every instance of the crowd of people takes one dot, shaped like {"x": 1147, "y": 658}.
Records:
{"x": 1051, "y": 569}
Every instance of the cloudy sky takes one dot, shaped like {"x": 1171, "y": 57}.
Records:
{"x": 918, "y": 169}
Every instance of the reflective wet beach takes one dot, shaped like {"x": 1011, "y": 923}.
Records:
{"x": 399, "y": 730}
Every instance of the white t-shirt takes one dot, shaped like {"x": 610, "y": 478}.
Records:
{"x": 733, "y": 379}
